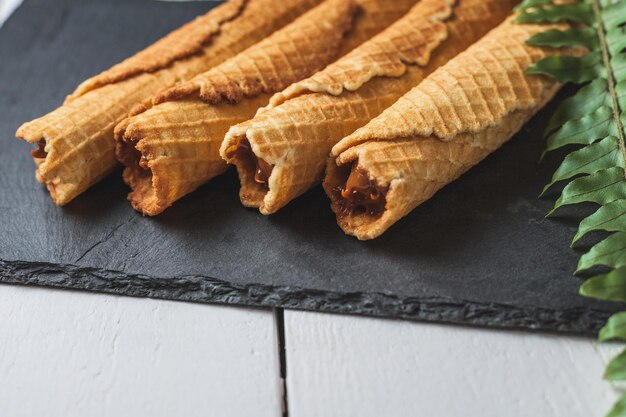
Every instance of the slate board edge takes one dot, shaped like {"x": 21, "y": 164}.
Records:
{"x": 203, "y": 289}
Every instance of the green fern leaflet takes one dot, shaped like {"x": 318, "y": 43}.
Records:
{"x": 592, "y": 123}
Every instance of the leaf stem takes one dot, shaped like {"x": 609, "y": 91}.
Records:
{"x": 610, "y": 77}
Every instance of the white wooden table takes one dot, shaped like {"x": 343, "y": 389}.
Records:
{"x": 66, "y": 353}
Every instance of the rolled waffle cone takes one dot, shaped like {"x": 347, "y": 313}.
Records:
{"x": 436, "y": 132}
{"x": 75, "y": 141}
{"x": 164, "y": 153}
{"x": 296, "y": 132}
{"x": 172, "y": 148}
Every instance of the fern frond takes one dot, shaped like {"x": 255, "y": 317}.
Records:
{"x": 619, "y": 410}
{"x": 614, "y": 329}
{"x": 571, "y": 38}
{"x": 610, "y": 218}
{"x": 616, "y": 369}
{"x": 550, "y": 13}
{"x": 609, "y": 286}
{"x": 584, "y": 130}
{"x": 527, "y": 4}
{"x": 592, "y": 121}
{"x": 570, "y": 69}
{"x": 609, "y": 252}
{"x": 595, "y": 157}
{"x": 601, "y": 187}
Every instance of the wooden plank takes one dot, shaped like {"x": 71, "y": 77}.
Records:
{"x": 66, "y": 353}
{"x": 352, "y": 366}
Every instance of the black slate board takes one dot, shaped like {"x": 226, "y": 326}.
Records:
{"x": 479, "y": 253}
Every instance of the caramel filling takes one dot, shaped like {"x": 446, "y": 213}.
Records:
{"x": 130, "y": 157}
{"x": 359, "y": 195}
{"x": 40, "y": 152}
{"x": 242, "y": 152}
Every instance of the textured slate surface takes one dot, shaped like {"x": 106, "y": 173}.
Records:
{"x": 479, "y": 253}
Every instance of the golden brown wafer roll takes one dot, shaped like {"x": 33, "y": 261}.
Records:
{"x": 291, "y": 139}
{"x": 432, "y": 135}
{"x": 75, "y": 141}
{"x": 172, "y": 148}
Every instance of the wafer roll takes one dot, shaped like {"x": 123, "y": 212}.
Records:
{"x": 296, "y": 132}
{"x": 172, "y": 148}
{"x": 432, "y": 135}
{"x": 75, "y": 142}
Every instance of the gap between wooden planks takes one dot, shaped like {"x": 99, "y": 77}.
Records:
{"x": 68, "y": 353}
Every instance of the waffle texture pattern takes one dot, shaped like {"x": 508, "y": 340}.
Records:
{"x": 172, "y": 148}
{"x": 444, "y": 126}
{"x": 77, "y": 138}
{"x": 296, "y": 132}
